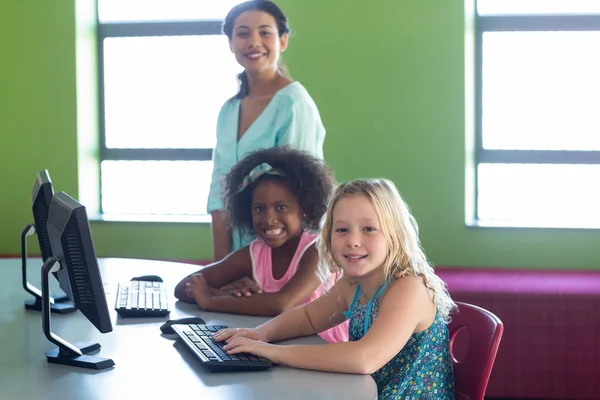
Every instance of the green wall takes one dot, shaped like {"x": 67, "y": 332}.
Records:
{"x": 388, "y": 77}
{"x": 37, "y": 107}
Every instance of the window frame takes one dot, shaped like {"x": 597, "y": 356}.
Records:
{"x": 522, "y": 23}
{"x": 123, "y": 29}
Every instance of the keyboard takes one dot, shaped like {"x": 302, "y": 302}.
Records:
{"x": 198, "y": 339}
{"x": 138, "y": 298}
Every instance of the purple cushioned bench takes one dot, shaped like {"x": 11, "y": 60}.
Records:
{"x": 551, "y": 343}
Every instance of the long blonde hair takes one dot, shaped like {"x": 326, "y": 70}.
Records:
{"x": 401, "y": 232}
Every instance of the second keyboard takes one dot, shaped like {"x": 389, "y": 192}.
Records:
{"x": 138, "y": 298}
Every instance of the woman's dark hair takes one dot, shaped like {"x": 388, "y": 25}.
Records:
{"x": 308, "y": 179}
{"x": 255, "y": 5}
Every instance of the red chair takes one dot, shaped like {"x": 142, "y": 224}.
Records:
{"x": 479, "y": 333}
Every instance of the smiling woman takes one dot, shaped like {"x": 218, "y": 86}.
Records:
{"x": 269, "y": 110}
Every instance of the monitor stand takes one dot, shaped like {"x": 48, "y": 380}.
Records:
{"x": 58, "y": 304}
{"x": 74, "y": 355}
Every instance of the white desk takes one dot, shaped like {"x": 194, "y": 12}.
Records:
{"x": 147, "y": 364}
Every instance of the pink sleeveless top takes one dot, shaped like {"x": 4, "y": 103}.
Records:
{"x": 262, "y": 271}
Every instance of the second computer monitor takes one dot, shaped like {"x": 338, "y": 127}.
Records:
{"x": 41, "y": 196}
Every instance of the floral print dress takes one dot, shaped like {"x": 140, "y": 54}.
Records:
{"x": 421, "y": 370}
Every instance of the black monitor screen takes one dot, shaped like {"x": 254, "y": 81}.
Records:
{"x": 79, "y": 275}
{"x": 41, "y": 195}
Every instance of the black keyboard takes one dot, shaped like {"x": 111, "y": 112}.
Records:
{"x": 142, "y": 299}
{"x": 198, "y": 339}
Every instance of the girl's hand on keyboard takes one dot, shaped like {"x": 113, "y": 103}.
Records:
{"x": 256, "y": 347}
{"x": 230, "y": 334}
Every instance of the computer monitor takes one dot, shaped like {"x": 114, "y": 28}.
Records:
{"x": 41, "y": 195}
{"x": 74, "y": 260}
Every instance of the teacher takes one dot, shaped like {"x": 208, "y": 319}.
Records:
{"x": 269, "y": 110}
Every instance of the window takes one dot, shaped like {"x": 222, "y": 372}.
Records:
{"x": 538, "y": 113}
{"x": 165, "y": 69}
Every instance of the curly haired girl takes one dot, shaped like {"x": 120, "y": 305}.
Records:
{"x": 281, "y": 195}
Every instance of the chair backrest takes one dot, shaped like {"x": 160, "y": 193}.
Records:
{"x": 484, "y": 331}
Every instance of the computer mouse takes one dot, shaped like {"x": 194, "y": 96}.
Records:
{"x": 150, "y": 278}
{"x": 167, "y": 326}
